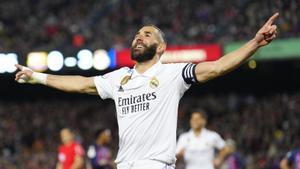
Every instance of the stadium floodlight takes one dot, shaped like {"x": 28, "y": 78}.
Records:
{"x": 85, "y": 59}
{"x": 37, "y": 61}
{"x": 70, "y": 62}
{"x": 101, "y": 59}
{"x": 55, "y": 60}
{"x": 7, "y": 62}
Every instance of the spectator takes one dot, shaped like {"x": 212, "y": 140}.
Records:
{"x": 47, "y": 25}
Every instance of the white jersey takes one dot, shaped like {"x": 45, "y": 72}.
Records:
{"x": 199, "y": 150}
{"x": 146, "y": 106}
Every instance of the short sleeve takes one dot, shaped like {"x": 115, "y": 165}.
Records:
{"x": 79, "y": 150}
{"x": 176, "y": 71}
{"x": 60, "y": 155}
{"x": 189, "y": 73}
{"x": 104, "y": 85}
{"x": 219, "y": 143}
{"x": 181, "y": 143}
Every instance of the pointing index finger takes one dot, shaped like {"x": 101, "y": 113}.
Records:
{"x": 20, "y": 67}
{"x": 272, "y": 18}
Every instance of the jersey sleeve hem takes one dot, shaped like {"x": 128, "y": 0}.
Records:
{"x": 100, "y": 91}
{"x": 189, "y": 74}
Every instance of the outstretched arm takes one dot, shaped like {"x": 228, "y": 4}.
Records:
{"x": 77, "y": 84}
{"x": 209, "y": 70}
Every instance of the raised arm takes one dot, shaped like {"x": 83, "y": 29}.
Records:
{"x": 209, "y": 70}
{"x": 78, "y": 84}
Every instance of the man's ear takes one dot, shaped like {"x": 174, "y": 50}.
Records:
{"x": 161, "y": 48}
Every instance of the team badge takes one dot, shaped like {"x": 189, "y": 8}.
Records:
{"x": 154, "y": 83}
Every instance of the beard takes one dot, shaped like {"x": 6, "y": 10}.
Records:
{"x": 143, "y": 56}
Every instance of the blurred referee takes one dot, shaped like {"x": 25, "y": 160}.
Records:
{"x": 147, "y": 96}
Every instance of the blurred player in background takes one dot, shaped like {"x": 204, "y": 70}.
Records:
{"x": 291, "y": 160}
{"x": 99, "y": 153}
{"x": 235, "y": 159}
{"x": 147, "y": 96}
{"x": 197, "y": 146}
{"x": 70, "y": 153}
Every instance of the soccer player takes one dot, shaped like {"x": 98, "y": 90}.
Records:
{"x": 234, "y": 160}
{"x": 292, "y": 160}
{"x": 197, "y": 146}
{"x": 70, "y": 153}
{"x": 99, "y": 153}
{"x": 147, "y": 95}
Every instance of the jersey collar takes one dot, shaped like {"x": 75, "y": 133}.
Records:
{"x": 150, "y": 72}
{"x": 203, "y": 130}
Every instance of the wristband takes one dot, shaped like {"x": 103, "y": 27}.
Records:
{"x": 38, "y": 78}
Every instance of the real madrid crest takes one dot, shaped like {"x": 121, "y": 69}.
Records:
{"x": 154, "y": 83}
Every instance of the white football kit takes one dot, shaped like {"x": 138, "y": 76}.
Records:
{"x": 199, "y": 150}
{"x": 146, "y": 106}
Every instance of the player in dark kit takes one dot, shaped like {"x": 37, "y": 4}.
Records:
{"x": 99, "y": 153}
{"x": 292, "y": 160}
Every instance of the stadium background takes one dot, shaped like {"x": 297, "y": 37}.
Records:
{"x": 258, "y": 105}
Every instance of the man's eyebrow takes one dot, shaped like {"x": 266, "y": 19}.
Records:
{"x": 147, "y": 32}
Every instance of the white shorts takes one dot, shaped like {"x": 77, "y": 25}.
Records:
{"x": 144, "y": 164}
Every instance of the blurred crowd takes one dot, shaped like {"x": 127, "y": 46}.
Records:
{"x": 263, "y": 127}
{"x": 70, "y": 24}
{"x": 29, "y": 131}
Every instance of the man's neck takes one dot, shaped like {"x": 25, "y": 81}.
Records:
{"x": 68, "y": 143}
{"x": 197, "y": 132}
{"x": 142, "y": 67}
{"x": 99, "y": 142}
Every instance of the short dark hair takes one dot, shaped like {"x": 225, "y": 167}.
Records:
{"x": 200, "y": 111}
{"x": 69, "y": 129}
{"x": 98, "y": 132}
{"x": 161, "y": 33}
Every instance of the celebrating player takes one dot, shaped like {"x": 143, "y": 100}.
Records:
{"x": 147, "y": 96}
{"x": 70, "y": 153}
{"x": 197, "y": 146}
